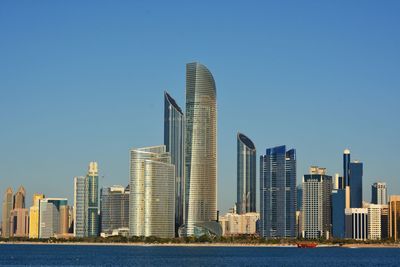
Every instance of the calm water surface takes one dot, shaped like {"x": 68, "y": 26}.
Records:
{"x": 50, "y": 255}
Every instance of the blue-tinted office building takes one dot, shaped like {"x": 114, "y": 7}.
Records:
{"x": 355, "y": 182}
{"x": 338, "y": 216}
{"x": 346, "y": 167}
{"x": 174, "y": 140}
{"x": 246, "y": 175}
{"x": 278, "y": 193}
{"x": 299, "y": 192}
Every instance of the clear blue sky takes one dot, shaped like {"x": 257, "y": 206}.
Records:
{"x": 84, "y": 80}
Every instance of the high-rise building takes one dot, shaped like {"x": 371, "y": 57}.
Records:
{"x": 299, "y": 198}
{"x": 338, "y": 216}
{"x": 394, "y": 217}
{"x": 19, "y": 222}
{"x": 346, "y": 167}
{"x": 93, "y": 200}
{"x": 152, "y": 193}
{"x": 80, "y": 207}
{"x": 114, "y": 209}
{"x": 53, "y": 217}
{"x": 357, "y": 223}
{"x": 174, "y": 140}
{"x": 374, "y": 221}
{"x": 317, "y": 205}
{"x": 86, "y": 203}
{"x": 19, "y": 198}
{"x": 355, "y": 182}
{"x": 338, "y": 182}
{"x": 385, "y": 221}
{"x": 246, "y": 175}
{"x": 200, "y": 150}
{"x": 34, "y": 216}
{"x": 7, "y": 207}
{"x": 379, "y": 193}
{"x": 278, "y": 193}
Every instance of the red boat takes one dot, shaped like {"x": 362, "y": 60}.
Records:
{"x": 307, "y": 245}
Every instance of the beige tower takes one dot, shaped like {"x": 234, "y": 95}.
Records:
{"x": 19, "y": 198}
{"x": 7, "y": 207}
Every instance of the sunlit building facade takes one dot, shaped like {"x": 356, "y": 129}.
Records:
{"x": 379, "y": 193}
{"x": 200, "y": 149}
{"x": 19, "y": 222}
{"x": 53, "y": 217}
{"x": 114, "y": 209}
{"x": 34, "y": 216}
{"x": 7, "y": 207}
{"x": 317, "y": 204}
{"x": 80, "y": 207}
{"x": 93, "y": 200}
{"x": 246, "y": 175}
{"x": 394, "y": 217}
{"x": 152, "y": 193}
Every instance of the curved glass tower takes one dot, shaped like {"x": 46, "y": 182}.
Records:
{"x": 246, "y": 175}
{"x": 174, "y": 123}
{"x": 152, "y": 193}
{"x": 201, "y": 147}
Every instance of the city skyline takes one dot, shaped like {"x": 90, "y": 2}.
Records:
{"x": 50, "y": 87}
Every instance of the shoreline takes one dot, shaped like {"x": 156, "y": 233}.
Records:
{"x": 142, "y": 244}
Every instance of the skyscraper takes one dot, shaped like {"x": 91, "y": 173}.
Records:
{"x": 355, "y": 182}
{"x": 201, "y": 148}
{"x": 338, "y": 215}
{"x": 246, "y": 175}
{"x": 394, "y": 217}
{"x": 34, "y": 216}
{"x": 93, "y": 200}
{"x": 346, "y": 167}
{"x": 317, "y": 205}
{"x": 114, "y": 209}
{"x": 19, "y": 222}
{"x": 86, "y": 203}
{"x": 52, "y": 217}
{"x": 278, "y": 193}
{"x": 174, "y": 140}
{"x": 80, "y": 207}
{"x": 7, "y": 207}
{"x": 379, "y": 194}
{"x": 152, "y": 193}
{"x": 19, "y": 198}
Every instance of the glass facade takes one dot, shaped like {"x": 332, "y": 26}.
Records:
{"x": 152, "y": 193}
{"x": 278, "y": 193}
{"x": 80, "y": 206}
{"x": 356, "y": 191}
{"x": 114, "y": 208}
{"x": 201, "y": 147}
{"x": 174, "y": 140}
{"x": 93, "y": 200}
{"x": 246, "y": 175}
{"x": 346, "y": 167}
{"x": 50, "y": 219}
{"x": 86, "y": 203}
{"x": 379, "y": 194}
{"x": 338, "y": 217}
